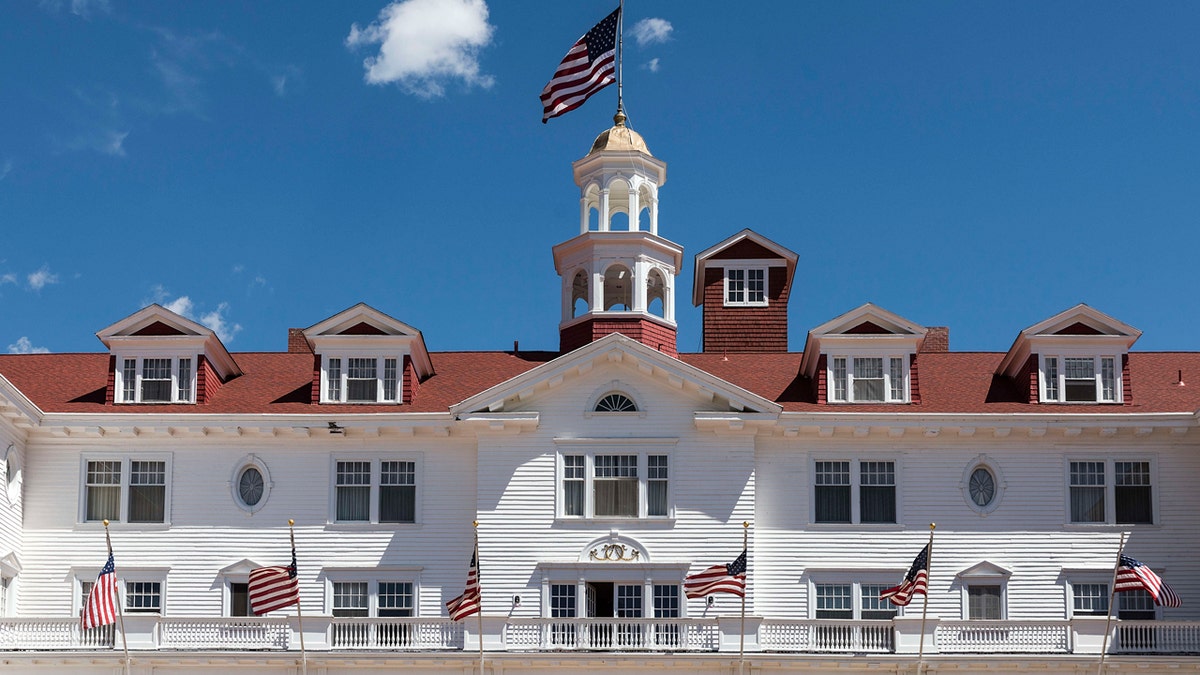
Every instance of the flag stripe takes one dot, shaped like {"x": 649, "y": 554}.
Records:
{"x": 1133, "y": 575}
{"x": 101, "y": 607}
{"x": 916, "y": 581}
{"x": 469, "y": 602}
{"x": 588, "y": 66}
{"x": 729, "y": 578}
{"x": 273, "y": 588}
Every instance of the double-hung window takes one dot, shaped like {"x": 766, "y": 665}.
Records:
{"x": 1089, "y": 599}
{"x": 127, "y": 489}
{"x": 1080, "y": 379}
{"x": 380, "y": 598}
{"x": 854, "y": 491}
{"x": 160, "y": 379}
{"x": 745, "y": 286}
{"x": 614, "y": 484}
{"x": 375, "y": 490}
{"x": 868, "y": 379}
{"x": 361, "y": 379}
{"x": 1111, "y": 491}
{"x": 851, "y": 600}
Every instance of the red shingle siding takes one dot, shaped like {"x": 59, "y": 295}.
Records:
{"x": 650, "y": 333}
{"x": 869, "y": 328}
{"x": 1078, "y": 328}
{"x": 297, "y": 343}
{"x": 745, "y": 250}
{"x": 110, "y": 392}
{"x": 411, "y": 381}
{"x": 316, "y": 379}
{"x": 207, "y": 381}
{"x": 914, "y": 381}
{"x": 1126, "y": 381}
{"x": 1030, "y": 374}
{"x": 745, "y": 329}
{"x": 159, "y": 328}
{"x": 822, "y": 380}
{"x": 362, "y": 328}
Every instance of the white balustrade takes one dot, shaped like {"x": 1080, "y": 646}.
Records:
{"x": 40, "y": 633}
{"x": 617, "y": 635}
{"x": 395, "y": 633}
{"x": 1003, "y": 637}
{"x": 1156, "y": 637}
{"x": 827, "y": 635}
{"x": 242, "y": 633}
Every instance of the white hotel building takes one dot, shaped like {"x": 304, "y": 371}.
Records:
{"x": 600, "y": 476}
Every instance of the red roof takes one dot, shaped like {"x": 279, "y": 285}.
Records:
{"x": 951, "y": 382}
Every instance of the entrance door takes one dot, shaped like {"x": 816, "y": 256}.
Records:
{"x": 608, "y": 600}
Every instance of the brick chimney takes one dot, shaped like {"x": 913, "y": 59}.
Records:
{"x": 937, "y": 339}
{"x": 297, "y": 343}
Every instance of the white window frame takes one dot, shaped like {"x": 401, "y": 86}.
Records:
{"x": 981, "y": 581}
{"x": 1097, "y": 578}
{"x": 745, "y": 271}
{"x": 646, "y": 577}
{"x": 376, "y": 460}
{"x": 123, "y": 509}
{"x": 119, "y": 379}
{"x": 855, "y": 489}
{"x": 856, "y": 579}
{"x": 642, "y": 449}
{"x": 125, "y": 576}
{"x": 344, "y": 377}
{"x": 372, "y": 577}
{"x": 250, "y": 462}
{"x": 905, "y": 388}
{"x": 1110, "y": 489}
{"x": 1052, "y": 385}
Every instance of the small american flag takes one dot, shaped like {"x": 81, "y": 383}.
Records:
{"x": 588, "y": 67}
{"x": 916, "y": 581}
{"x": 468, "y": 603}
{"x": 729, "y": 578}
{"x": 1133, "y": 575}
{"x": 273, "y": 588}
{"x": 101, "y": 606}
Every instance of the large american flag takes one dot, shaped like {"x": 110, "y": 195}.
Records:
{"x": 468, "y": 603}
{"x": 915, "y": 581}
{"x": 588, "y": 67}
{"x": 273, "y": 588}
{"x": 1133, "y": 575}
{"x": 729, "y": 578}
{"x": 101, "y": 606}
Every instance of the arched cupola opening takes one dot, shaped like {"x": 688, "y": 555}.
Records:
{"x": 618, "y": 288}
{"x": 580, "y": 298}
{"x": 656, "y": 293}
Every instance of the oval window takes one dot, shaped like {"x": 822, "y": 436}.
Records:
{"x": 251, "y": 486}
{"x": 982, "y": 487}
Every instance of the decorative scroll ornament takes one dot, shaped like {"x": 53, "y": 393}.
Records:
{"x": 614, "y": 553}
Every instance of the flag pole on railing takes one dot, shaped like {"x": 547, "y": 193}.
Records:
{"x": 299, "y": 613}
{"x": 742, "y": 631}
{"x": 1112, "y": 597}
{"x": 120, "y": 610}
{"x": 925, "y": 604}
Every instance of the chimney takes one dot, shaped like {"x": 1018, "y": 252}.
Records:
{"x": 937, "y": 339}
{"x": 297, "y": 343}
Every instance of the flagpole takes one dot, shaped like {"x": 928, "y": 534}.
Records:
{"x": 479, "y": 584}
{"x": 120, "y": 611}
{"x": 742, "y": 631}
{"x": 620, "y": 57}
{"x": 299, "y": 613}
{"x": 1112, "y": 597}
{"x": 925, "y": 607}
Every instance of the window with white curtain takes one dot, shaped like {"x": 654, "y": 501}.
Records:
{"x": 1113, "y": 491}
{"x": 125, "y": 489}
{"x": 868, "y": 379}
{"x": 854, "y": 491}
{"x": 845, "y": 599}
{"x": 375, "y": 490}
{"x": 1080, "y": 379}
{"x": 614, "y": 485}
{"x": 159, "y": 379}
{"x": 361, "y": 379}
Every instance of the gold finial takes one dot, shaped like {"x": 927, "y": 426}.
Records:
{"x": 745, "y": 523}
{"x": 619, "y": 118}
{"x": 291, "y": 522}
{"x": 475, "y": 523}
{"x": 933, "y": 526}
{"x": 106, "y": 522}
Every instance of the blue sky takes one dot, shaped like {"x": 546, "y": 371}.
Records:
{"x": 259, "y": 166}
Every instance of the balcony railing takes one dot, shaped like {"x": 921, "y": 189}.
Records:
{"x": 395, "y": 634}
{"x": 21, "y": 633}
{"x": 240, "y": 633}
{"x": 617, "y": 635}
{"x": 827, "y": 635}
{"x": 1156, "y": 637}
{"x": 1003, "y": 637}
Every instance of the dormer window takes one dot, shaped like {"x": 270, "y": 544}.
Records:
{"x": 1080, "y": 379}
{"x": 868, "y": 379}
{"x": 745, "y": 286}
{"x": 158, "y": 379}
{"x": 361, "y": 379}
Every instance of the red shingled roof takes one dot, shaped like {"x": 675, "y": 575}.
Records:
{"x": 951, "y": 382}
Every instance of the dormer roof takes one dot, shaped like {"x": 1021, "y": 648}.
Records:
{"x": 156, "y": 327}
{"x": 1080, "y": 326}
{"x": 363, "y": 326}
{"x": 865, "y": 327}
{"x": 769, "y": 253}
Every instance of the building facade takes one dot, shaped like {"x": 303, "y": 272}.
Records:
{"x": 596, "y": 478}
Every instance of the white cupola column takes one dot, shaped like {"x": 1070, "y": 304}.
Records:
{"x": 654, "y": 212}
{"x": 604, "y": 213}
{"x": 583, "y": 214}
{"x": 634, "y": 207}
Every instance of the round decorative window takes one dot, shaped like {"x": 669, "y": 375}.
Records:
{"x": 982, "y": 487}
{"x": 251, "y": 486}
{"x": 616, "y": 403}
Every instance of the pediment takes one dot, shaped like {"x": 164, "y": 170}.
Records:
{"x": 243, "y": 566}
{"x": 865, "y": 327}
{"x": 639, "y": 360}
{"x": 156, "y": 327}
{"x": 363, "y": 327}
{"x": 10, "y": 564}
{"x": 984, "y": 570}
{"x": 1080, "y": 327}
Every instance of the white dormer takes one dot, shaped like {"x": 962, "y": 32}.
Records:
{"x": 868, "y": 356}
{"x": 1077, "y": 356}
{"x": 364, "y": 356}
{"x": 162, "y": 357}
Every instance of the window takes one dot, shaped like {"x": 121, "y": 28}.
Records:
{"x": 745, "y": 286}
{"x": 361, "y": 379}
{"x": 1080, "y": 379}
{"x": 375, "y": 491}
{"x": 250, "y": 483}
{"x": 239, "y": 599}
{"x": 848, "y": 491}
{"x": 350, "y": 598}
{"x": 1136, "y": 606}
{"x": 868, "y": 379}
{"x": 5, "y": 585}
{"x": 615, "y": 485}
{"x": 846, "y": 600}
{"x": 166, "y": 379}
{"x": 382, "y": 598}
{"x": 1089, "y": 599}
{"x": 1127, "y": 499}
{"x": 981, "y": 487}
{"x": 985, "y": 602}
{"x": 129, "y": 490}
{"x": 143, "y": 597}
{"x": 615, "y": 403}
{"x": 250, "y": 486}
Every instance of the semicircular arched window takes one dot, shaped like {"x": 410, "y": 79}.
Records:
{"x": 615, "y": 403}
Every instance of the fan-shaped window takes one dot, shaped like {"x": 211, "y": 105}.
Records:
{"x": 615, "y": 403}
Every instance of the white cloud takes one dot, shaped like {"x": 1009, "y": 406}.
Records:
{"x": 24, "y": 346}
{"x": 183, "y": 306}
{"x": 8, "y": 278}
{"x": 423, "y": 44}
{"x": 651, "y": 65}
{"x": 39, "y": 279}
{"x": 219, "y": 324}
{"x": 651, "y": 31}
{"x": 84, "y": 8}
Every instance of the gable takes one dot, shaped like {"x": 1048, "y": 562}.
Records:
{"x": 1079, "y": 328}
{"x": 159, "y": 328}
{"x": 864, "y": 328}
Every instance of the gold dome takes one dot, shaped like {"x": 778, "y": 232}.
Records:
{"x": 620, "y": 138}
